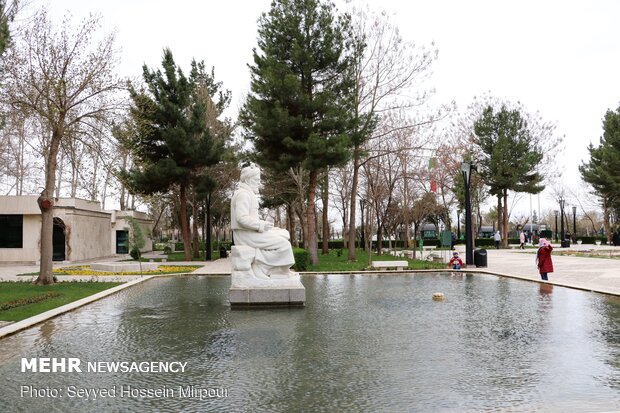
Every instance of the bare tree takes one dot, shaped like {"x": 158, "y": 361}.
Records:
{"x": 387, "y": 69}
{"x": 66, "y": 79}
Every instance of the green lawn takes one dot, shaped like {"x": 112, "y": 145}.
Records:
{"x": 333, "y": 262}
{"x": 180, "y": 256}
{"x": 18, "y": 294}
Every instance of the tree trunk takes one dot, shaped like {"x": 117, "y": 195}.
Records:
{"x": 302, "y": 226}
{"x": 195, "y": 241}
{"x": 505, "y": 220}
{"x": 379, "y": 235}
{"x": 325, "y": 196}
{"x": 290, "y": 224}
{"x": 59, "y": 183}
{"x": 184, "y": 225}
{"x": 354, "y": 182}
{"x": 208, "y": 249}
{"x": 499, "y": 213}
{"x": 311, "y": 244}
{"x": 46, "y": 275}
{"x": 607, "y": 219}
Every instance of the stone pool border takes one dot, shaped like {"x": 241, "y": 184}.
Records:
{"x": 39, "y": 318}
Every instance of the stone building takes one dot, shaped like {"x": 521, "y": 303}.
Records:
{"x": 82, "y": 230}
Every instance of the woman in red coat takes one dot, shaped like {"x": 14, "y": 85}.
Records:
{"x": 543, "y": 258}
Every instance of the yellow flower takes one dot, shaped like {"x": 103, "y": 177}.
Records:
{"x": 162, "y": 269}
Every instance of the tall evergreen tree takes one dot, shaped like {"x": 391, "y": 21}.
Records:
{"x": 172, "y": 142}
{"x": 509, "y": 158}
{"x": 299, "y": 111}
{"x": 8, "y": 9}
{"x": 601, "y": 170}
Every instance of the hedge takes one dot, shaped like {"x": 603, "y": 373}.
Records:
{"x": 301, "y": 259}
{"x": 592, "y": 240}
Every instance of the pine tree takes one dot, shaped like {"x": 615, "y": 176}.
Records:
{"x": 299, "y": 111}
{"x": 601, "y": 170}
{"x": 172, "y": 142}
{"x": 509, "y": 159}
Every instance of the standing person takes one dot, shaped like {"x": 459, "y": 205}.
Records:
{"x": 543, "y": 258}
{"x": 498, "y": 239}
{"x": 456, "y": 263}
{"x": 522, "y": 240}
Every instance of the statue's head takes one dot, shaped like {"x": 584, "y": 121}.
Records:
{"x": 250, "y": 175}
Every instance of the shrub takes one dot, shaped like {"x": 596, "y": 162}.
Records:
{"x": 30, "y": 300}
{"x": 159, "y": 246}
{"x": 167, "y": 249}
{"x": 592, "y": 240}
{"x": 135, "y": 253}
{"x": 485, "y": 242}
{"x": 301, "y": 259}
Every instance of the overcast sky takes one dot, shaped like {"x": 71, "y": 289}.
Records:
{"x": 558, "y": 57}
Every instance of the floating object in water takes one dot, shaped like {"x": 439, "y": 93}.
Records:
{"x": 438, "y": 296}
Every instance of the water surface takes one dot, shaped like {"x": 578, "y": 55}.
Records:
{"x": 362, "y": 344}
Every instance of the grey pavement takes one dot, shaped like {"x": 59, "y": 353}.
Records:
{"x": 586, "y": 273}
{"x": 595, "y": 274}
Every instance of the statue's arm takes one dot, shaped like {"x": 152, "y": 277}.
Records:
{"x": 243, "y": 215}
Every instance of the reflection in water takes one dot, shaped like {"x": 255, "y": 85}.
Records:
{"x": 545, "y": 290}
{"x": 362, "y": 343}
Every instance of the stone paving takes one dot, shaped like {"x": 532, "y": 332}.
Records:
{"x": 587, "y": 273}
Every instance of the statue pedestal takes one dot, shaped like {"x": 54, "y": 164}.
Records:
{"x": 251, "y": 290}
{"x": 266, "y": 296}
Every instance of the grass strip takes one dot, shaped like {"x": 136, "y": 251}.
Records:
{"x": 30, "y": 300}
{"x": 64, "y": 293}
{"x": 338, "y": 261}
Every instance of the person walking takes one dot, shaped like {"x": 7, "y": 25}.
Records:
{"x": 543, "y": 258}
{"x": 522, "y": 240}
{"x": 498, "y": 239}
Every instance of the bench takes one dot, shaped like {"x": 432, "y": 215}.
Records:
{"x": 399, "y": 265}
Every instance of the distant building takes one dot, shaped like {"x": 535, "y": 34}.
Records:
{"x": 82, "y": 231}
{"x": 486, "y": 231}
{"x": 428, "y": 231}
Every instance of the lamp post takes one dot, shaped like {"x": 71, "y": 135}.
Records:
{"x": 466, "y": 169}
{"x": 556, "y": 225}
{"x": 458, "y": 224}
{"x": 562, "y": 202}
{"x": 574, "y": 223}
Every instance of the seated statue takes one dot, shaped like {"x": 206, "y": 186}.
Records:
{"x": 262, "y": 254}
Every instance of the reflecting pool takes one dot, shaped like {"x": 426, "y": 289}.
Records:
{"x": 363, "y": 343}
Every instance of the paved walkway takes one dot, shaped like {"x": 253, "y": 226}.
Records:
{"x": 595, "y": 274}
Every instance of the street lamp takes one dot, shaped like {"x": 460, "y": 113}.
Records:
{"x": 574, "y": 223}
{"x": 466, "y": 168}
{"x": 562, "y": 201}
{"x": 556, "y": 212}
{"x": 458, "y": 224}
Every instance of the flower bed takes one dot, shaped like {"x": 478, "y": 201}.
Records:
{"x": 162, "y": 269}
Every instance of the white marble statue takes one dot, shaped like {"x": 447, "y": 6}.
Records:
{"x": 262, "y": 254}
